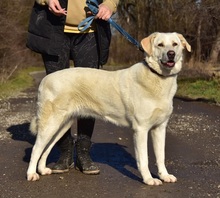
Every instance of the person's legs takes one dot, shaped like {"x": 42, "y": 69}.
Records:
{"x": 66, "y": 147}
{"x": 84, "y": 52}
{"x": 83, "y": 144}
{"x": 65, "y": 144}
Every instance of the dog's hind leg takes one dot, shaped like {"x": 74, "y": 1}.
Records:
{"x": 42, "y": 169}
{"x": 46, "y": 132}
{"x": 39, "y": 146}
{"x": 141, "y": 152}
{"x": 158, "y": 138}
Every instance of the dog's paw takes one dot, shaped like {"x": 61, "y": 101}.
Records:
{"x": 45, "y": 171}
{"x": 168, "y": 178}
{"x": 153, "y": 182}
{"x": 33, "y": 177}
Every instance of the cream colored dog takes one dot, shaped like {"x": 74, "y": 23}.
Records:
{"x": 140, "y": 97}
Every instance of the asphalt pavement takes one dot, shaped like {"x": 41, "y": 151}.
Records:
{"x": 192, "y": 155}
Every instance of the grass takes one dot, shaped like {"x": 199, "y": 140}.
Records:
{"x": 18, "y": 82}
{"x": 188, "y": 88}
{"x": 200, "y": 89}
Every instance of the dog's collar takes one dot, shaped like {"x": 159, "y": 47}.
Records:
{"x": 155, "y": 72}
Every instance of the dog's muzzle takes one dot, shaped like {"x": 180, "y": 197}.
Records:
{"x": 170, "y": 63}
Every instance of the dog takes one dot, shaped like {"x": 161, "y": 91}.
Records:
{"x": 140, "y": 97}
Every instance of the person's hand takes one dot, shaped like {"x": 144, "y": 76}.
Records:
{"x": 104, "y": 12}
{"x": 55, "y": 8}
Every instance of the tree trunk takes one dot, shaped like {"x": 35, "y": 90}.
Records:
{"x": 198, "y": 41}
{"x": 215, "y": 49}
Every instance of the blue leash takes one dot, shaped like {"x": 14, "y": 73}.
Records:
{"x": 94, "y": 7}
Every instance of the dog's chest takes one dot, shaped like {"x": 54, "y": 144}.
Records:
{"x": 161, "y": 113}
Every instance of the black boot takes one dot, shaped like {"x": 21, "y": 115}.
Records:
{"x": 66, "y": 146}
{"x": 84, "y": 162}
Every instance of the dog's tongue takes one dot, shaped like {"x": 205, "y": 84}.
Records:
{"x": 170, "y": 64}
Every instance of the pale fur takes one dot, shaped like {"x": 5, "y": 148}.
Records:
{"x": 135, "y": 97}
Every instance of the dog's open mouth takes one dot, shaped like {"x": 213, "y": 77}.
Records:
{"x": 169, "y": 63}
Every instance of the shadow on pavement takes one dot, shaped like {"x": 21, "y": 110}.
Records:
{"x": 112, "y": 154}
{"x": 116, "y": 156}
{"x": 20, "y": 132}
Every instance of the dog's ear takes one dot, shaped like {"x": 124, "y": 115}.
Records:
{"x": 184, "y": 42}
{"x": 147, "y": 43}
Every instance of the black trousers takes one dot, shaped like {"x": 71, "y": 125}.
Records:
{"x": 82, "y": 49}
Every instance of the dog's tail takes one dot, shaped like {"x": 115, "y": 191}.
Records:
{"x": 33, "y": 126}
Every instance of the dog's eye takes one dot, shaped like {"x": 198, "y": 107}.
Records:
{"x": 160, "y": 45}
{"x": 175, "y": 44}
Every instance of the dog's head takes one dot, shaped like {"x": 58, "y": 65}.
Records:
{"x": 164, "y": 52}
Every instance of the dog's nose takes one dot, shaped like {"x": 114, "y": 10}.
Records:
{"x": 171, "y": 54}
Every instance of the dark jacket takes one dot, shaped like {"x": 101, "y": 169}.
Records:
{"x": 45, "y": 32}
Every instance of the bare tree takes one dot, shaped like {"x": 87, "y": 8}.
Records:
{"x": 214, "y": 56}
{"x": 14, "y": 17}
{"x": 197, "y": 20}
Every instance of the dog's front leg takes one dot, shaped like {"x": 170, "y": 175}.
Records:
{"x": 158, "y": 138}
{"x": 141, "y": 152}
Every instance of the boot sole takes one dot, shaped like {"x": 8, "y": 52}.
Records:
{"x": 96, "y": 172}
{"x": 60, "y": 171}
{"x": 93, "y": 172}
{"x": 57, "y": 171}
